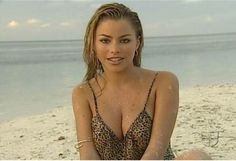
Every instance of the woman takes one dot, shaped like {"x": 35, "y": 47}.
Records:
{"x": 123, "y": 111}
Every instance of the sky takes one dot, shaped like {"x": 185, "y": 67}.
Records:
{"x": 32, "y": 20}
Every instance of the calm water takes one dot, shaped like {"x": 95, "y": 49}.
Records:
{"x": 39, "y": 76}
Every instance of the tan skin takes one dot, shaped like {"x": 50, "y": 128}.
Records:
{"x": 125, "y": 89}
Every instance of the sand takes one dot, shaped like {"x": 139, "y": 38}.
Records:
{"x": 206, "y": 120}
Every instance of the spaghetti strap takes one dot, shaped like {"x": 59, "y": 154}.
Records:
{"x": 150, "y": 89}
{"x": 94, "y": 97}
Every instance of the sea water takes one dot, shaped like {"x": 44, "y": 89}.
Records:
{"x": 36, "y": 76}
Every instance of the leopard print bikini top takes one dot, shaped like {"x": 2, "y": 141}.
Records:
{"x": 132, "y": 147}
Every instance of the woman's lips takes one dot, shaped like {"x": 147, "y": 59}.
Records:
{"x": 115, "y": 60}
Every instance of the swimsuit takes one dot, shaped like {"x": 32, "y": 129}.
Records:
{"x": 132, "y": 147}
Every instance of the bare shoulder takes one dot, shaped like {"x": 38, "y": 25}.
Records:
{"x": 80, "y": 95}
{"x": 79, "y": 90}
{"x": 167, "y": 76}
{"x": 163, "y": 77}
{"x": 167, "y": 80}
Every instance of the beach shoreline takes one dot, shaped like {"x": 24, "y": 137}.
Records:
{"x": 205, "y": 121}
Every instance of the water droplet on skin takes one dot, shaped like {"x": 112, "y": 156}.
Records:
{"x": 170, "y": 87}
{"x": 126, "y": 117}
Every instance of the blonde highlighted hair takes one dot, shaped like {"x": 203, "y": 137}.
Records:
{"x": 109, "y": 11}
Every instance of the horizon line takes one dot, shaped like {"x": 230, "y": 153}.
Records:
{"x": 148, "y": 37}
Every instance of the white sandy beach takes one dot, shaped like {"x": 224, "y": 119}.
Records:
{"x": 206, "y": 120}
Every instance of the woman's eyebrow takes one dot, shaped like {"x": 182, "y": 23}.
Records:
{"x": 125, "y": 35}
{"x": 105, "y": 35}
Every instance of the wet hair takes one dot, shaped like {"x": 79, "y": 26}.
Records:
{"x": 114, "y": 11}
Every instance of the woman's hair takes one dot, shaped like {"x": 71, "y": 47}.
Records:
{"x": 114, "y": 11}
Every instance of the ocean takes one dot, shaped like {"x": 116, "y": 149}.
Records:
{"x": 37, "y": 76}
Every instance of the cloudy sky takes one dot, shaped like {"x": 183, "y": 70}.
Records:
{"x": 67, "y": 19}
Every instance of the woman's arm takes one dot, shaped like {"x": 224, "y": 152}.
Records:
{"x": 166, "y": 109}
{"x": 83, "y": 117}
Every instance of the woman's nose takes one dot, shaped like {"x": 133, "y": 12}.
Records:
{"x": 115, "y": 48}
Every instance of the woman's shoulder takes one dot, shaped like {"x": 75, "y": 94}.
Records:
{"x": 167, "y": 80}
{"x": 167, "y": 75}
{"x": 162, "y": 78}
{"x": 161, "y": 75}
{"x": 84, "y": 88}
{"x": 80, "y": 90}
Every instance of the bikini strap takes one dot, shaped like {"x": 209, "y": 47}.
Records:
{"x": 150, "y": 89}
{"x": 94, "y": 97}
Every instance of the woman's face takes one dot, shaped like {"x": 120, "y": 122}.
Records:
{"x": 115, "y": 44}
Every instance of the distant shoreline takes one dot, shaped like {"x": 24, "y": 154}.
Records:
{"x": 148, "y": 37}
{"x": 192, "y": 35}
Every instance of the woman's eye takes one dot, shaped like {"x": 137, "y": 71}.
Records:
{"x": 105, "y": 41}
{"x": 125, "y": 41}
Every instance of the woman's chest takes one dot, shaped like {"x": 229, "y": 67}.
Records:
{"x": 120, "y": 112}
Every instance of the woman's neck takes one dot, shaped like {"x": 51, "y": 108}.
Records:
{"x": 120, "y": 79}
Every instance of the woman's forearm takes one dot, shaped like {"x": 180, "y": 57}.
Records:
{"x": 152, "y": 156}
{"x": 90, "y": 156}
